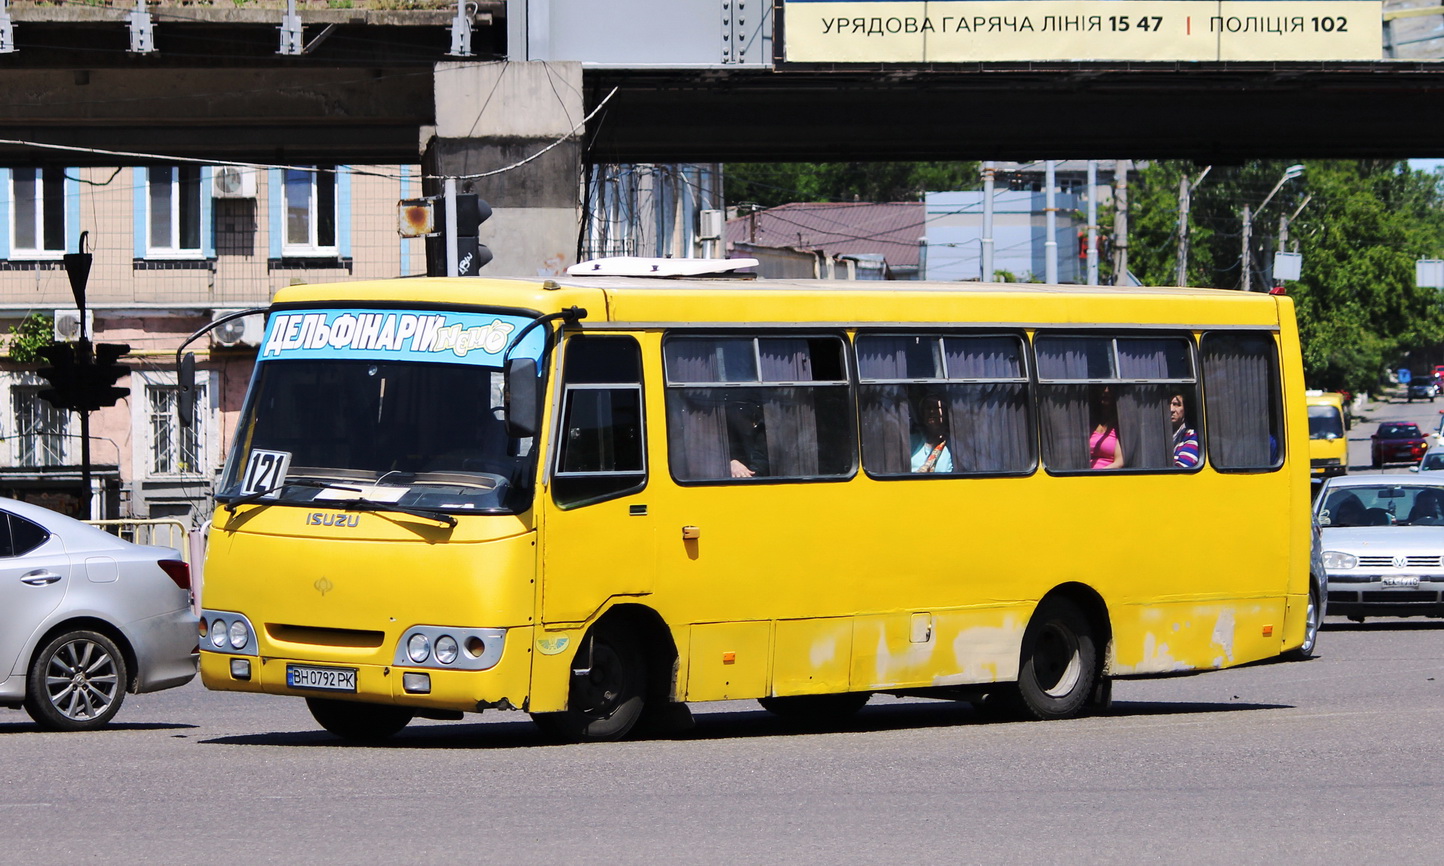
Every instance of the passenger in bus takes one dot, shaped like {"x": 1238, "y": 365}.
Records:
{"x": 930, "y": 441}
{"x": 747, "y": 439}
{"x": 1185, "y": 438}
{"x": 1104, "y": 449}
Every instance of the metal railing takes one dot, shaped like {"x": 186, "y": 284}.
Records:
{"x": 159, "y": 533}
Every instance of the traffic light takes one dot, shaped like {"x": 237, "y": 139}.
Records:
{"x": 63, "y": 374}
{"x": 471, "y": 255}
{"x": 82, "y": 380}
{"x": 100, "y": 389}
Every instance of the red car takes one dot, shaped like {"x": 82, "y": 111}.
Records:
{"x": 1397, "y": 442}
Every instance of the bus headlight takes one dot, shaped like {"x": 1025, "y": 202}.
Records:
{"x": 1339, "y": 559}
{"x": 418, "y": 648}
{"x": 453, "y": 647}
{"x": 218, "y": 633}
{"x": 446, "y": 649}
{"x": 240, "y": 635}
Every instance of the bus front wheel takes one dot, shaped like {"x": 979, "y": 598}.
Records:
{"x": 364, "y": 723}
{"x": 607, "y": 691}
{"x": 1059, "y": 662}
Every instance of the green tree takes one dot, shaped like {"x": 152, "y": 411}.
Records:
{"x": 1360, "y": 227}
{"x": 30, "y": 334}
{"x": 772, "y": 184}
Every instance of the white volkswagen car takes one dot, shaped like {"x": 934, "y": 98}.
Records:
{"x": 1383, "y": 540}
{"x": 86, "y": 617}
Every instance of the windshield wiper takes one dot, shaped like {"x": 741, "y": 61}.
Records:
{"x": 375, "y": 505}
{"x": 237, "y": 501}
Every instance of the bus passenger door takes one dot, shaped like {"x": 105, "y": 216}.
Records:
{"x": 597, "y": 536}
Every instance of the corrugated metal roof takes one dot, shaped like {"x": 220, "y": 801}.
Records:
{"x": 892, "y": 230}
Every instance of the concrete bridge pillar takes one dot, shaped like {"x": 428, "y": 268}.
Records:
{"x": 492, "y": 116}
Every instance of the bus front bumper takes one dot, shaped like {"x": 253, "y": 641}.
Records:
{"x": 504, "y": 685}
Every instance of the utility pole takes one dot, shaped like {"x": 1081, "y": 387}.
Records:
{"x": 1180, "y": 273}
{"x": 1120, "y": 221}
{"x": 1050, "y": 222}
{"x": 1245, "y": 260}
{"x": 1185, "y": 202}
{"x": 987, "y": 241}
{"x": 1092, "y": 222}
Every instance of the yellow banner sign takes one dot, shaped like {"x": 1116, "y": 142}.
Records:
{"x": 969, "y": 31}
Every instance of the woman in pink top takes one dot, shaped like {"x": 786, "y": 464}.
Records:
{"x": 1104, "y": 451}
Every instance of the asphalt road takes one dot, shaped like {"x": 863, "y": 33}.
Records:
{"x": 1388, "y": 407}
{"x": 1329, "y": 761}
{"x": 1335, "y": 760}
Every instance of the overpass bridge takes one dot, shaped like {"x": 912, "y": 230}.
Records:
{"x": 661, "y": 81}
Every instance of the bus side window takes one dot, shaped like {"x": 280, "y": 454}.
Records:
{"x": 601, "y": 446}
{"x": 1105, "y": 402}
{"x": 975, "y": 383}
{"x": 1241, "y": 399}
{"x": 743, "y": 408}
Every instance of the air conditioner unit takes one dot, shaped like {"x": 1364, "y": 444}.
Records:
{"x": 237, "y": 333}
{"x": 232, "y": 181}
{"x": 710, "y": 225}
{"x": 67, "y": 325}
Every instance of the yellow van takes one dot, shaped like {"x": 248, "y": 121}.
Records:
{"x": 1328, "y": 444}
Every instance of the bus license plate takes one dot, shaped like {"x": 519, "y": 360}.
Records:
{"x": 324, "y": 679}
{"x": 1401, "y": 580}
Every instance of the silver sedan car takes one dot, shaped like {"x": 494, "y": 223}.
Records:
{"x": 86, "y": 617}
{"x": 1383, "y": 540}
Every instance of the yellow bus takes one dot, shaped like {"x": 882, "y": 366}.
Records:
{"x": 1328, "y": 439}
{"x": 596, "y": 499}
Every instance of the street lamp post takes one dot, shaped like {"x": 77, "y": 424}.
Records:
{"x": 1290, "y": 173}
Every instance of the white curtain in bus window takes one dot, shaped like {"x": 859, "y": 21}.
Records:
{"x": 972, "y": 390}
{"x": 1241, "y": 399}
{"x": 744, "y": 407}
{"x": 1118, "y": 387}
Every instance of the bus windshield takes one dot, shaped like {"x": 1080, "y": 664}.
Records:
{"x": 1325, "y": 422}
{"x": 417, "y": 434}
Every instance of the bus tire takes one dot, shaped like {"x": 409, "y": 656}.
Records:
{"x": 607, "y": 692}
{"x": 815, "y": 711}
{"x": 1305, "y": 651}
{"x": 1059, "y": 662}
{"x": 362, "y": 723}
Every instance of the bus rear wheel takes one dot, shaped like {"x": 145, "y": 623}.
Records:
{"x": 363, "y": 723}
{"x": 815, "y": 711}
{"x": 1059, "y": 662}
{"x": 607, "y": 692}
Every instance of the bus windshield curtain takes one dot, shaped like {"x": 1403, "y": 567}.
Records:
{"x": 988, "y": 421}
{"x": 1238, "y": 375}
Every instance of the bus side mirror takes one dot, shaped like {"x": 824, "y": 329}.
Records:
{"x": 185, "y": 406}
{"x": 523, "y": 398}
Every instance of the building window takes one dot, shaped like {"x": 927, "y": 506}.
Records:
{"x": 310, "y": 212}
{"x": 37, "y": 212}
{"x": 40, "y": 429}
{"x": 175, "y": 450}
{"x": 174, "y": 212}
